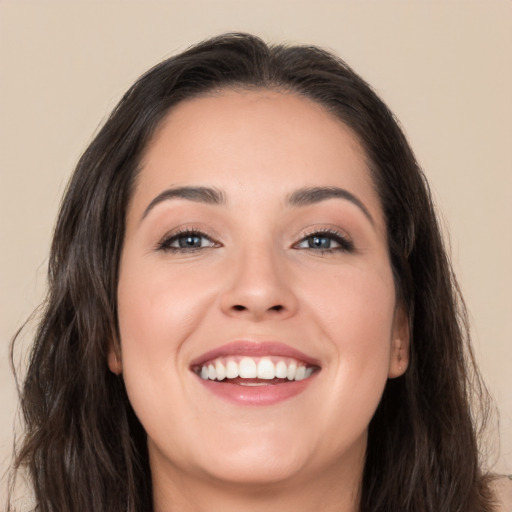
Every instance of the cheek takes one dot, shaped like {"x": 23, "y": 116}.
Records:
{"x": 157, "y": 311}
{"x": 158, "y": 308}
{"x": 357, "y": 303}
{"x": 355, "y": 312}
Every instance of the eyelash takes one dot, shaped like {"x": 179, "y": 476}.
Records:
{"x": 344, "y": 243}
{"x": 165, "y": 244}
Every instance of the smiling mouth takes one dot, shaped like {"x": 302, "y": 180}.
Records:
{"x": 255, "y": 371}
{"x": 249, "y": 373}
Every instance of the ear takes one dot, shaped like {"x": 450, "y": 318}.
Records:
{"x": 114, "y": 360}
{"x": 400, "y": 344}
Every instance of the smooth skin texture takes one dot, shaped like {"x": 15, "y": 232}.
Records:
{"x": 256, "y": 272}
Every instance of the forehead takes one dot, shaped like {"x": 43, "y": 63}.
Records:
{"x": 234, "y": 113}
{"x": 256, "y": 143}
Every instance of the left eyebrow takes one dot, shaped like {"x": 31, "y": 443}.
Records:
{"x": 311, "y": 195}
{"x": 197, "y": 194}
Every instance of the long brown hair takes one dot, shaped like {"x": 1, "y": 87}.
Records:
{"x": 84, "y": 448}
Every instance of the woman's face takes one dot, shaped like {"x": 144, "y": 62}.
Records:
{"x": 256, "y": 246}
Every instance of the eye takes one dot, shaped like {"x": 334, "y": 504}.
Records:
{"x": 326, "y": 241}
{"x": 186, "y": 241}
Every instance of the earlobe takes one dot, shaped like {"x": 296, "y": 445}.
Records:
{"x": 114, "y": 361}
{"x": 400, "y": 345}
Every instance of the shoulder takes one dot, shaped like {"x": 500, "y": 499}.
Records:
{"x": 503, "y": 491}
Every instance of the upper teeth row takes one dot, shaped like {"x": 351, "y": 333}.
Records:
{"x": 248, "y": 368}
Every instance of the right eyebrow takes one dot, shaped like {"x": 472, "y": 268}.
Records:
{"x": 198, "y": 194}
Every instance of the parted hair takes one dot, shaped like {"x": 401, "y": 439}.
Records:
{"x": 83, "y": 447}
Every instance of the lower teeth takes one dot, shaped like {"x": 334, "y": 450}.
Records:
{"x": 239, "y": 381}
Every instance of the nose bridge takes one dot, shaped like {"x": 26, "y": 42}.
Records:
{"x": 258, "y": 283}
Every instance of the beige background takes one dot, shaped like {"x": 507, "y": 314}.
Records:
{"x": 444, "y": 68}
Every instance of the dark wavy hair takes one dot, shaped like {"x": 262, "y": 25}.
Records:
{"x": 84, "y": 448}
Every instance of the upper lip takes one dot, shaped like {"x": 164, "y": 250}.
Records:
{"x": 255, "y": 349}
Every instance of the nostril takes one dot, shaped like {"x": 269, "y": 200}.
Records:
{"x": 239, "y": 307}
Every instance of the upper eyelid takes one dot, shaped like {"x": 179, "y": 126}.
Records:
{"x": 189, "y": 229}
{"x": 325, "y": 231}
{"x": 176, "y": 233}
{"x": 344, "y": 239}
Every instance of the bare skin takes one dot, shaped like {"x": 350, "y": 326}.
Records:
{"x": 256, "y": 263}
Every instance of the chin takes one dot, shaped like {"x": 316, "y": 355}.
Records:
{"x": 257, "y": 469}
{"x": 262, "y": 459}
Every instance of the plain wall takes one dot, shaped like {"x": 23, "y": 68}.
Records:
{"x": 443, "y": 67}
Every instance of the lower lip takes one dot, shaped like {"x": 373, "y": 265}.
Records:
{"x": 257, "y": 395}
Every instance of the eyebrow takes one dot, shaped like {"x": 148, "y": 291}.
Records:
{"x": 301, "y": 197}
{"x": 197, "y": 194}
{"x": 312, "y": 195}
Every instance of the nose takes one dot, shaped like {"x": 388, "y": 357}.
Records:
{"x": 258, "y": 287}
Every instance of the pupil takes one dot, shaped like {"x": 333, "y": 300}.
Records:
{"x": 319, "y": 242}
{"x": 190, "y": 241}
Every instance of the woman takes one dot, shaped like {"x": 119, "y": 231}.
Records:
{"x": 250, "y": 306}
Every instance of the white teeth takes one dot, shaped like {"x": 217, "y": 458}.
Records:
{"x": 301, "y": 373}
{"x": 292, "y": 369}
{"x": 231, "y": 370}
{"x": 266, "y": 369}
{"x": 220, "y": 370}
{"x": 281, "y": 370}
{"x": 248, "y": 368}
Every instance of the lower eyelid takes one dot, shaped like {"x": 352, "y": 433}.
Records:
{"x": 171, "y": 238}
{"x": 344, "y": 242}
